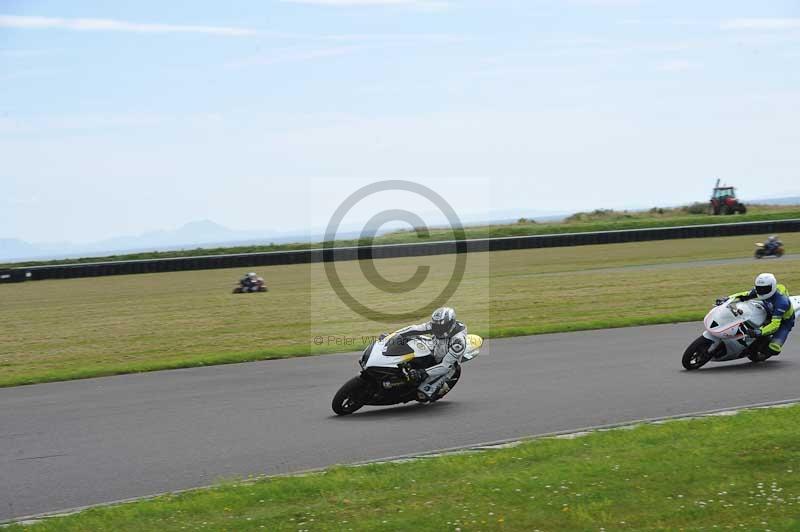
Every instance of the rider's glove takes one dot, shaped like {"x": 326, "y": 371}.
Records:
{"x": 751, "y": 332}
{"x": 720, "y": 301}
{"x": 417, "y": 375}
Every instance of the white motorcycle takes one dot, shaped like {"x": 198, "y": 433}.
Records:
{"x": 385, "y": 365}
{"x": 727, "y": 334}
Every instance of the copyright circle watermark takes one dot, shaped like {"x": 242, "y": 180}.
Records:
{"x": 366, "y": 264}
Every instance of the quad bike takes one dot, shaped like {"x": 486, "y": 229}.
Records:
{"x": 257, "y": 286}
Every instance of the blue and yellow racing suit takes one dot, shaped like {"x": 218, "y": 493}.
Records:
{"x": 781, "y": 313}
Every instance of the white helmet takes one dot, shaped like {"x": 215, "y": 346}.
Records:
{"x": 251, "y": 275}
{"x": 443, "y": 321}
{"x": 766, "y": 285}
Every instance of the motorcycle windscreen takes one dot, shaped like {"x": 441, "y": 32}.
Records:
{"x": 397, "y": 347}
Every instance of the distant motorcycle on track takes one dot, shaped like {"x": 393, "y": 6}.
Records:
{"x": 762, "y": 250}
{"x": 726, "y": 335}
{"x": 384, "y": 378}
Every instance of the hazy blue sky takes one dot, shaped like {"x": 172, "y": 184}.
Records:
{"x": 125, "y": 117}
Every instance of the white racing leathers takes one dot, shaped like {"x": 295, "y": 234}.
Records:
{"x": 447, "y": 352}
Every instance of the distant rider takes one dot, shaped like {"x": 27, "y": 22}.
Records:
{"x": 779, "y": 308}
{"x": 249, "y": 281}
{"x": 772, "y": 244}
{"x": 449, "y": 344}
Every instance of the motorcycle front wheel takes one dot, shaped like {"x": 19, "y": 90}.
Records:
{"x": 696, "y": 355}
{"x": 346, "y": 401}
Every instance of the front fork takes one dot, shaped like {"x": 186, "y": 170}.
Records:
{"x": 715, "y": 342}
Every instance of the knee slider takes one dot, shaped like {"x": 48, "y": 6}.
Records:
{"x": 775, "y": 347}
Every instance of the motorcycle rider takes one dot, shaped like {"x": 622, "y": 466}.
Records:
{"x": 779, "y": 308}
{"x": 449, "y": 344}
{"x": 249, "y": 281}
{"x": 772, "y": 244}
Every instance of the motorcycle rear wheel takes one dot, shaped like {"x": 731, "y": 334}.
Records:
{"x": 346, "y": 401}
{"x": 696, "y": 355}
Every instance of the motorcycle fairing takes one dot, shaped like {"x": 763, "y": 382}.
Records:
{"x": 723, "y": 325}
{"x": 415, "y": 348}
{"x": 419, "y": 347}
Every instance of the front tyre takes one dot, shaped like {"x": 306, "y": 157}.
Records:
{"x": 347, "y": 399}
{"x": 696, "y": 355}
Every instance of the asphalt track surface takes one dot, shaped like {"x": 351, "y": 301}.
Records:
{"x": 69, "y": 444}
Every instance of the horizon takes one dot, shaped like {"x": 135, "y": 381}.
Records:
{"x": 127, "y": 244}
{"x": 472, "y": 219}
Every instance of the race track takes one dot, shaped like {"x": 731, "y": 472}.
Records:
{"x": 70, "y": 444}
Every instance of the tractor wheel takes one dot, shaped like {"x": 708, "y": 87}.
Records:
{"x": 742, "y": 209}
{"x": 725, "y": 210}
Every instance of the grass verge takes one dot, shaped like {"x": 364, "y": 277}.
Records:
{"x": 106, "y": 370}
{"x": 737, "y": 472}
{"x": 78, "y": 328}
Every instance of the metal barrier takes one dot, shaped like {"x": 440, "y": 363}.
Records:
{"x": 275, "y": 258}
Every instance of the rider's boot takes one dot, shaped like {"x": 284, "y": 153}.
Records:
{"x": 773, "y": 349}
{"x": 762, "y": 349}
{"x": 429, "y": 392}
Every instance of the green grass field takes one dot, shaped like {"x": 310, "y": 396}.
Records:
{"x": 64, "y": 329}
{"x": 737, "y": 472}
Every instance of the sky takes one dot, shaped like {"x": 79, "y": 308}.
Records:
{"x": 120, "y": 118}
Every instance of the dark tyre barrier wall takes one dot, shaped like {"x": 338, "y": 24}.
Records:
{"x": 15, "y": 275}
{"x": 275, "y": 258}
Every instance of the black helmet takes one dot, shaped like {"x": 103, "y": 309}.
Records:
{"x": 443, "y": 320}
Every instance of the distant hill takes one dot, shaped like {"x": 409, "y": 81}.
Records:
{"x": 208, "y": 234}
{"x": 190, "y": 234}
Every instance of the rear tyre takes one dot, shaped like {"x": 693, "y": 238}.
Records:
{"x": 348, "y": 399}
{"x": 696, "y": 355}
